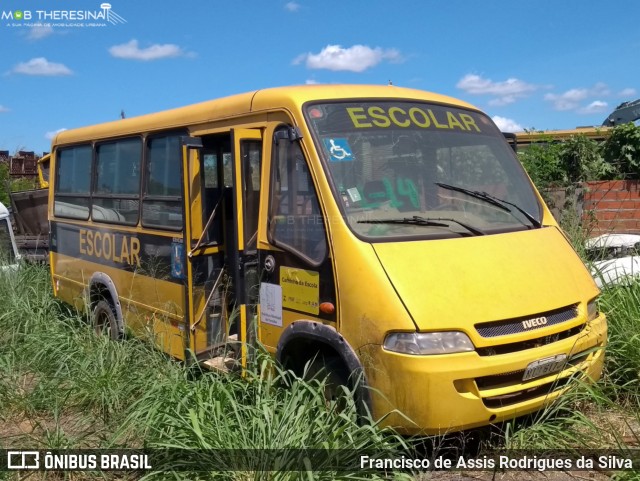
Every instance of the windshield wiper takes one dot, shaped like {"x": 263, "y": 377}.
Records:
{"x": 425, "y": 221}
{"x": 491, "y": 199}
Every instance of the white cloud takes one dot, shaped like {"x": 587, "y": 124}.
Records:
{"x": 132, "y": 51}
{"x": 573, "y": 98}
{"x": 311, "y": 82}
{"x": 41, "y": 66}
{"x": 568, "y": 100}
{"x": 628, "y": 92}
{"x": 507, "y": 125}
{"x": 3, "y": 109}
{"x": 292, "y": 6}
{"x": 594, "y": 107}
{"x": 600, "y": 89}
{"x": 505, "y": 92}
{"x": 501, "y": 101}
{"x": 52, "y": 134}
{"x": 353, "y": 59}
{"x": 37, "y": 33}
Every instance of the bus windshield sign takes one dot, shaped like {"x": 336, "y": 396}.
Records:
{"x": 392, "y": 162}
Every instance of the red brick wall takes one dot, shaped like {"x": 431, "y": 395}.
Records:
{"x": 612, "y": 206}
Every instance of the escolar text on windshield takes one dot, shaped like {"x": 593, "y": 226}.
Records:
{"x": 383, "y": 117}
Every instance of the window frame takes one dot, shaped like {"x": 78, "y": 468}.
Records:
{"x": 144, "y": 197}
{"x": 274, "y": 167}
{"x": 101, "y": 195}
{"x": 324, "y": 162}
{"x": 251, "y": 231}
{"x": 73, "y": 195}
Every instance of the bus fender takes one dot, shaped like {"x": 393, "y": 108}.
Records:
{"x": 102, "y": 281}
{"x": 316, "y": 332}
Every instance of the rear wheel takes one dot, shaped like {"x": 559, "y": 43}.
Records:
{"x": 105, "y": 321}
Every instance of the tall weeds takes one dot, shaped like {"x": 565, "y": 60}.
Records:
{"x": 79, "y": 390}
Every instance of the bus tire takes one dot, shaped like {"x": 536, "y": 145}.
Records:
{"x": 332, "y": 372}
{"x": 105, "y": 321}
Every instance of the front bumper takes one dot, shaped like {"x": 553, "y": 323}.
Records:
{"x": 445, "y": 393}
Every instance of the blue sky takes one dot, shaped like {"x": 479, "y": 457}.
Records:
{"x": 544, "y": 64}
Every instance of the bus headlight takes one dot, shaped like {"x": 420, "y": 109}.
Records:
{"x": 592, "y": 310}
{"x": 426, "y": 343}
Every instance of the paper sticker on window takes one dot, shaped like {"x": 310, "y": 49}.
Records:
{"x": 339, "y": 150}
{"x": 354, "y": 194}
{"x": 177, "y": 260}
{"x": 271, "y": 304}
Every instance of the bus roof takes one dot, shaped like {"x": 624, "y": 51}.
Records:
{"x": 291, "y": 98}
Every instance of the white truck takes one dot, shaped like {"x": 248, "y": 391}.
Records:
{"x": 8, "y": 250}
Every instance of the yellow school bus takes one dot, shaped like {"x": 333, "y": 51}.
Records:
{"x": 43, "y": 171}
{"x": 388, "y": 235}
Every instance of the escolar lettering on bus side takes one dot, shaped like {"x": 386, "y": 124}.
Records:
{"x": 108, "y": 245}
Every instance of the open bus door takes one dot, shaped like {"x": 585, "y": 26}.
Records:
{"x": 221, "y": 272}
{"x": 242, "y": 254}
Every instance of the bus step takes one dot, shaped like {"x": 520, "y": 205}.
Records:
{"x": 220, "y": 364}
{"x": 230, "y": 346}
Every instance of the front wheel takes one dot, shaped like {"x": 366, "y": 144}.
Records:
{"x": 105, "y": 322}
{"x": 333, "y": 373}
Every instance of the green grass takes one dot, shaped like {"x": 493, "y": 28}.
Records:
{"x": 61, "y": 386}
{"x": 601, "y": 415}
{"x": 79, "y": 390}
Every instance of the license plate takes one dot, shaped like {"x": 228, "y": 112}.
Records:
{"x": 544, "y": 367}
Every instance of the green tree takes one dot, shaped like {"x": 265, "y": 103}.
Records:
{"x": 7, "y": 184}
{"x": 622, "y": 150}
{"x": 4, "y": 184}
{"x": 581, "y": 159}
{"x": 561, "y": 163}
{"x": 542, "y": 163}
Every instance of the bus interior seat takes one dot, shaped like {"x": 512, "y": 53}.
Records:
{"x": 375, "y": 192}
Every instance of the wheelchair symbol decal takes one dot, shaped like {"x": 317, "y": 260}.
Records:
{"x": 339, "y": 150}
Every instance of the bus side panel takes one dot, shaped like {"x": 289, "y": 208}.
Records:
{"x": 151, "y": 293}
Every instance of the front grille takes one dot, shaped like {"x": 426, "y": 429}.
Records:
{"x": 516, "y": 325}
{"x": 497, "y": 381}
{"x": 529, "y": 343}
{"x": 514, "y": 378}
{"x": 525, "y": 394}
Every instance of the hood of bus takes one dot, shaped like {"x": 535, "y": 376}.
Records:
{"x": 453, "y": 284}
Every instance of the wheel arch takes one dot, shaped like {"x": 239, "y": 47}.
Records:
{"x": 102, "y": 286}
{"x": 302, "y": 340}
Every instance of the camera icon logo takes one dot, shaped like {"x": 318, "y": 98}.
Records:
{"x": 23, "y": 460}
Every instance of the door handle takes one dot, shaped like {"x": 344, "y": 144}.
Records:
{"x": 269, "y": 263}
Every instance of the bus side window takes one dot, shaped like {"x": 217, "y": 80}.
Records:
{"x": 295, "y": 218}
{"x": 162, "y": 204}
{"x": 116, "y": 193}
{"x": 251, "y": 157}
{"x": 73, "y": 181}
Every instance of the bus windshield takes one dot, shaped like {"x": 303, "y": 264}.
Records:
{"x": 411, "y": 169}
